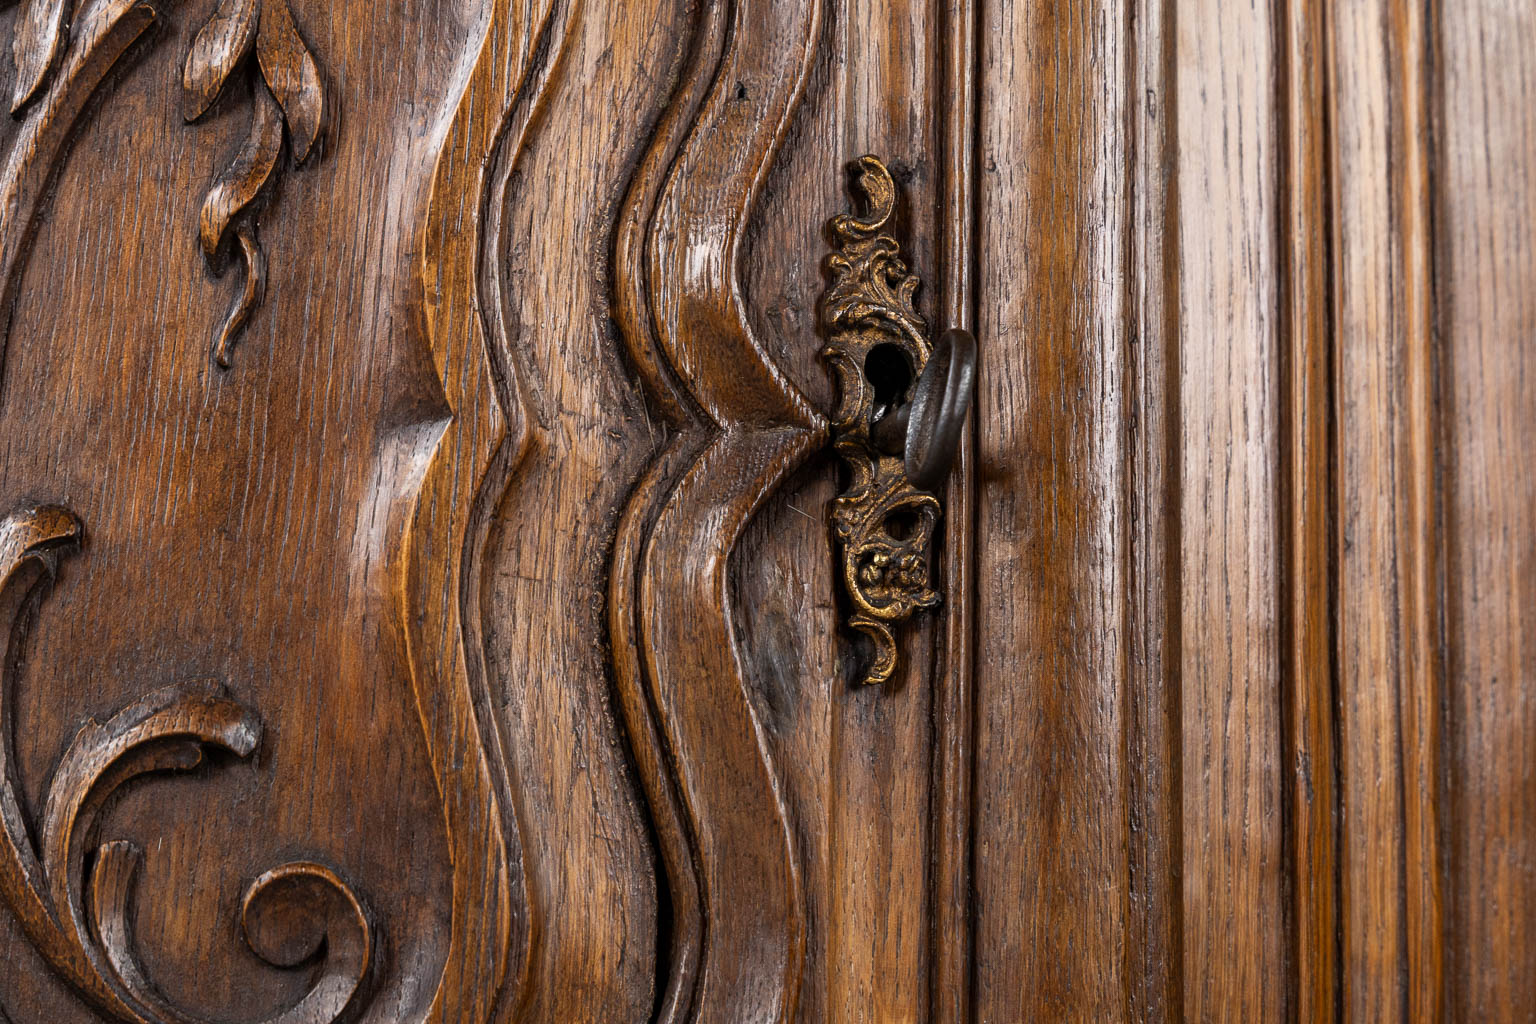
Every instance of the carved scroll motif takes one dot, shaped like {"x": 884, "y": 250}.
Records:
{"x": 73, "y": 894}
{"x": 73, "y": 906}
{"x": 738, "y": 427}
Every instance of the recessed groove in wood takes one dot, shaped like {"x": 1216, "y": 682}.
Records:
{"x": 1152, "y": 489}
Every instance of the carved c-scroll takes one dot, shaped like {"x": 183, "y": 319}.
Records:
{"x": 76, "y": 908}
{"x": 739, "y": 428}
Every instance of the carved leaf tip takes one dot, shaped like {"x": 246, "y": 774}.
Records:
{"x": 287, "y": 93}
{"x": 40, "y": 38}
{"x": 250, "y": 295}
{"x": 36, "y": 534}
{"x": 221, "y": 45}
{"x": 241, "y": 183}
{"x": 291, "y": 73}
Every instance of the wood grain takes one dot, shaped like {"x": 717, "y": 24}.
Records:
{"x": 1152, "y": 480}
{"x": 489, "y": 590}
{"x": 270, "y": 503}
{"x": 588, "y": 851}
{"x": 1484, "y": 270}
{"x": 475, "y": 449}
{"x": 870, "y": 91}
{"x": 1388, "y": 586}
{"x": 1227, "y": 167}
{"x": 1308, "y": 526}
{"x": 1052, "y": 864}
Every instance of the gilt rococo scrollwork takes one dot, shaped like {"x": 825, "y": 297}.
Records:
{"x": 72, "y": 894}
{"x": 884, "y": 523}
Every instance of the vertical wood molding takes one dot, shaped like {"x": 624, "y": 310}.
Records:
{"x": 1307, "y": 509}
{"x": 1388, "y": 542}
{"x": 482, "y": 438}
{"x": 1052, "y": 807}
{"x": 1153, "y": 523}
{"x": 1235, "y": 962}
{"x": 740, "y": 427}
{"x": 954, "y": 706}
{"x": 637, "y": 700}
{"x": 1484, "y": 177}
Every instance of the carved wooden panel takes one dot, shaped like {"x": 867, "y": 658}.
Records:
{"x": 418, "y": 561}
{"x": 420, "y": 558}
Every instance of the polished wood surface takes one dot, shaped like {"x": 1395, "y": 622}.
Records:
{"x": 417, "y": 534}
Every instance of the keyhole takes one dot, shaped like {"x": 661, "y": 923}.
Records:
{"x": 901, "y": 524}
{"x": 889, "y": 372}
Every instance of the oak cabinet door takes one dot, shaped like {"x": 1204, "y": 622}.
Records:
{"x": 417, "y": 494}
{"x": 470, "y": 547}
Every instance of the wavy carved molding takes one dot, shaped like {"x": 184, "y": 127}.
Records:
{"x": 482, "y": 441}
{"x": 738, "y": 428}
{"x": 73, "y": 895}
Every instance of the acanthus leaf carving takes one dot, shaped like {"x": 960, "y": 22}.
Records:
{"x": 221, "y": 44}
{"x": 38, "y": 44}
{"x": 286, "y": 92}
{"x": 73, "y": 903}
{"x": 59, "y": 73}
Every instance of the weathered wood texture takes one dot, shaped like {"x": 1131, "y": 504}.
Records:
{"x": 414, "y": 514}
{"x": 1254, "y": 547}
{"x": 1485, "y": 276}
